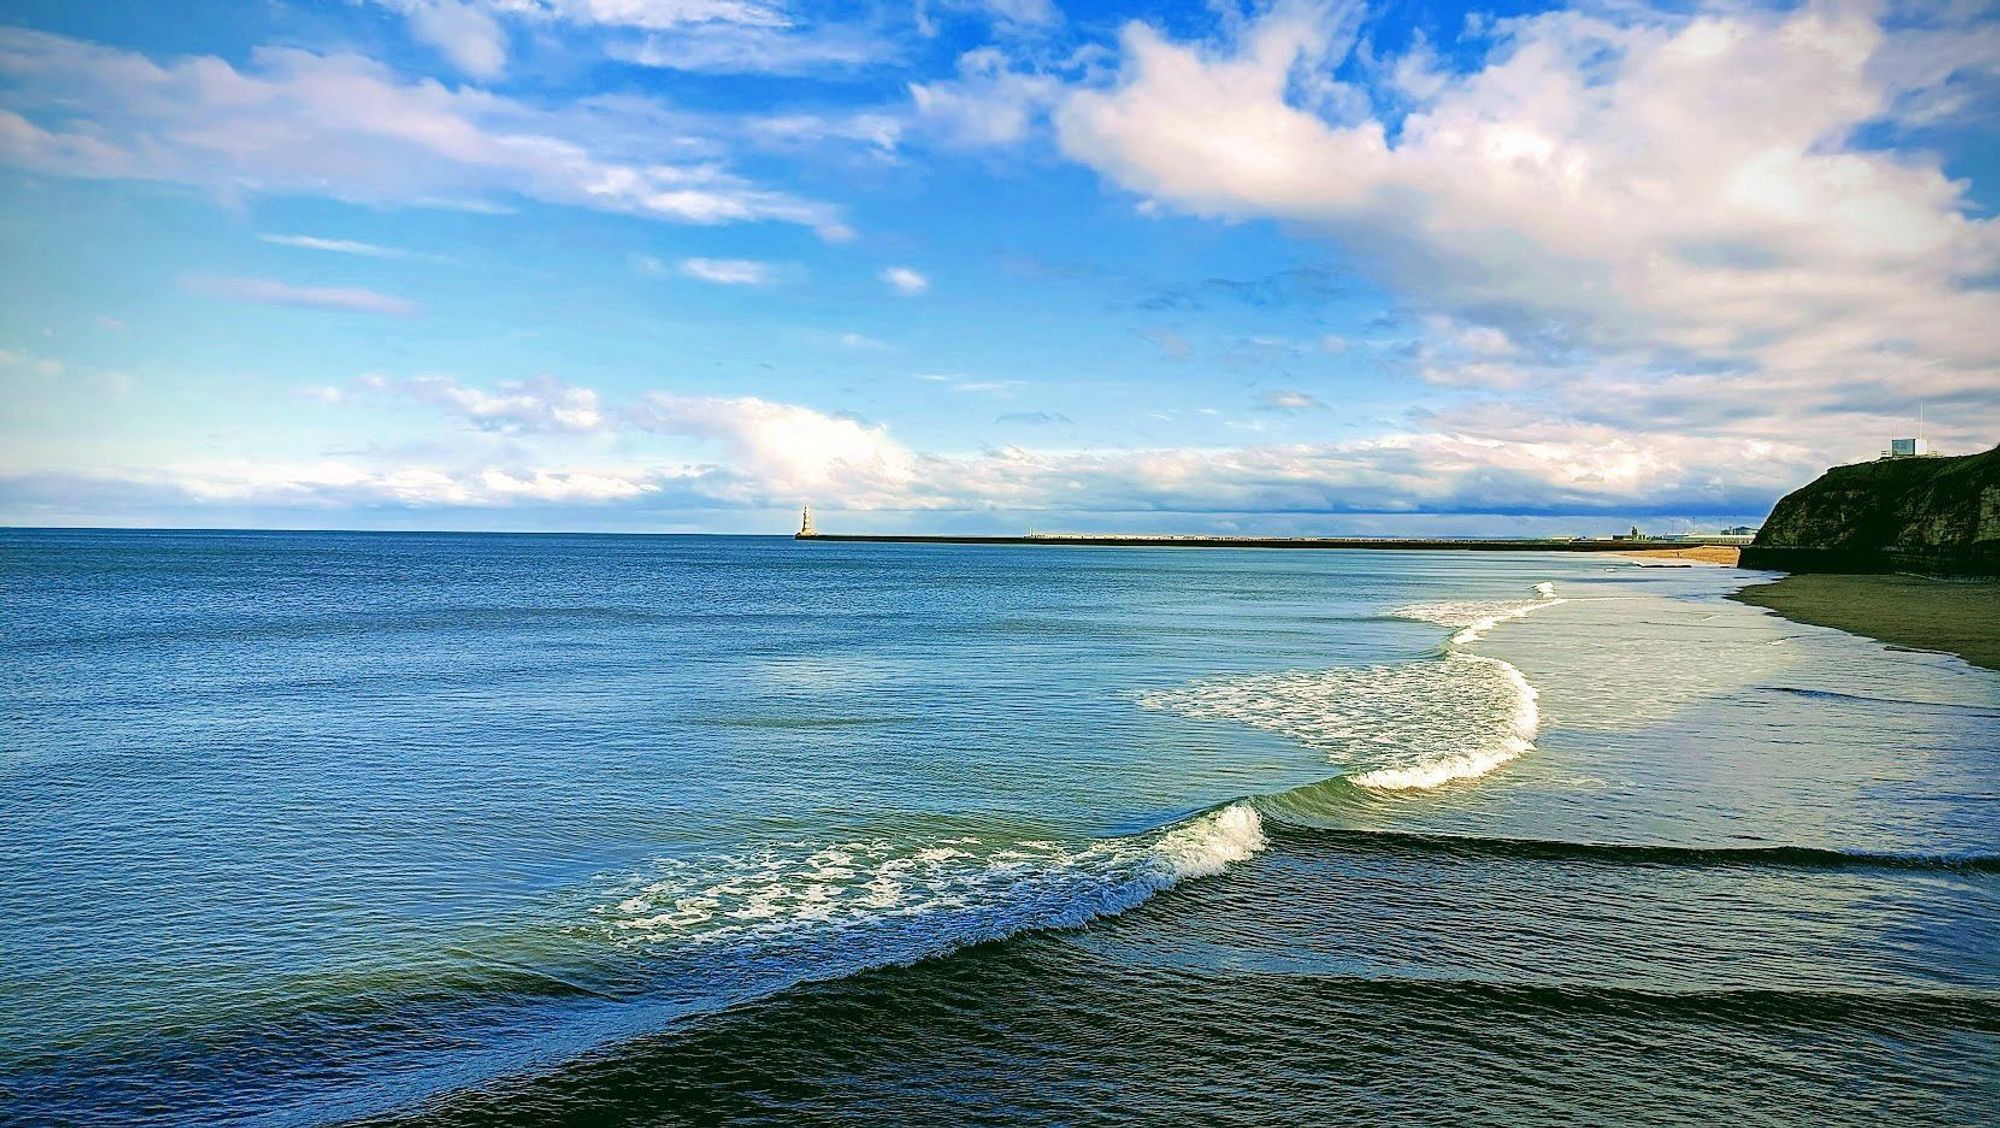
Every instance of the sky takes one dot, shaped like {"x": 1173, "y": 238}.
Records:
{"x": 985, "y": 265}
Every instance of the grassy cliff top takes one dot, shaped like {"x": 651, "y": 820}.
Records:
{"x": 1906, "y": 502}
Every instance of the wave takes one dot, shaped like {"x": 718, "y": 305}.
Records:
{"x": 1400, "y": 727}
{"x": 1891, "y": 1008}
{"x": 814, "y": 910}
{"x": 1612, "y": 853}
{"x": 908, "y": 901}
{"x": 1976, "y": 710}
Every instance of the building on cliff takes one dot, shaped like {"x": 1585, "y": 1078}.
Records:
{"x": 1909, "y": 448}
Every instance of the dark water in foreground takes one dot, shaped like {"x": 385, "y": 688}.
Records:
{"x": 308, "y": 827}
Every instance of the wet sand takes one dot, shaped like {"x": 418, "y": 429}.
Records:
{"x": 1959, "y": 617}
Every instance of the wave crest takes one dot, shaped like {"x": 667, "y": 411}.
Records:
{"x": 963, "y": 889}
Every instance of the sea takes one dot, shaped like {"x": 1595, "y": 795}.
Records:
{"x": 316, "y": 828}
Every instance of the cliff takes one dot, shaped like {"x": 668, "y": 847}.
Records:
{"x": 1910, "y": 514}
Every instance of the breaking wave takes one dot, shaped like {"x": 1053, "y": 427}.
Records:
{"x": 878, "y": 902}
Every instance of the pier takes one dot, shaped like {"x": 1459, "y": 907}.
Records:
{"x": 1108, "y": 540}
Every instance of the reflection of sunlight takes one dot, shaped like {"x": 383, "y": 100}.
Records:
{"x": 825, "y": 673}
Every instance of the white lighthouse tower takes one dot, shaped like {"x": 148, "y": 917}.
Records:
{"x": 806, "y": 523}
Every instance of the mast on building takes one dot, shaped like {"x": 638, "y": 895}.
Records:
{"x": 806, "y": 522}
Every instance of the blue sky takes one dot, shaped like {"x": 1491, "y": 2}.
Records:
{"x": 688, "y": 264}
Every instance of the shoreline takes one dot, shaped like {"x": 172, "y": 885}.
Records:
{"x": 1959, "y": 617}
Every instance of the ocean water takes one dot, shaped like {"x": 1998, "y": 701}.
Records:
{"x": 310, "y": 828}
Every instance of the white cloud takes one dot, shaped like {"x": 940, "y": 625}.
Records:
{"x": 341, "y": 484}
{"x": 759, "y": 454}
{"x": 1290, "y": 400}
{"x": 345, "y": 126}
{"x": 1486, "y": 341}
{"x": 729, "y": 272}
{"x": 905, "y": 281}
{"x": 970, "y": 386}
{"x": 1034, "y": 13}
{"x": 1676, "y": 194}
{"x": 542, "y": 404}
{"x": 269, "y": 291}
{"x": 735, "y": 49}
{"x": 721, "y": 36}
{"x": 337, "y": 246}
{"x": 1006, "y": 16}
{"x": 989, "y": 104}
{"x": 651, "y": 15}
{"x": 13, "y": 360}
{"x": 464, "y": 33}
{"x": 859, "y": 342}
{"x": 785, "y": 451}
{"x": 771, "y": 455}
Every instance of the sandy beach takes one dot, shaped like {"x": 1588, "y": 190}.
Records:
{"x": 1723, "y": 554}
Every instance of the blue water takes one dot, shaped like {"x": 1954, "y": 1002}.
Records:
{"x": 304, "y": 827}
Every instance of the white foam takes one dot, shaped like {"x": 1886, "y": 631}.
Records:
{"x": 1475, "y": 617}
{"x": 1474, "y": 762}
{"x": 991, "y": 886}
{"x": 1400, "y": 727}
{"x": 1209, "y": 844}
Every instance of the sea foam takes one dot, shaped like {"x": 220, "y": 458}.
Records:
{"x": 1399, "y": 726}
{"x": 918, "y": 898}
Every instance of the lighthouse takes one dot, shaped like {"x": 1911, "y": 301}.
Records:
{"x": 806, "y": 523}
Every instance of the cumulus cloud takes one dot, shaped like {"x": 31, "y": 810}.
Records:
{"x": 748, "y": 452}
{"x": 269, "y": 291}
{"x": 345, "y": 126}
{"x": 905, "y": 281}
{"x": 1680, "y": 194}
{"x": 785, "y": 452}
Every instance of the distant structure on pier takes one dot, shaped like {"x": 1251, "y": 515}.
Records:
{"x": 806, "y": 522}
